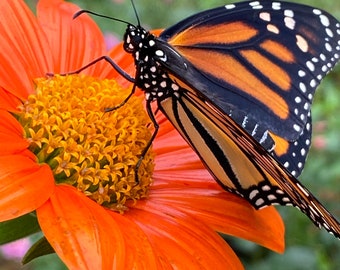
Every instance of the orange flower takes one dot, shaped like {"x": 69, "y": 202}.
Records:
{"x": 73, "y": 164}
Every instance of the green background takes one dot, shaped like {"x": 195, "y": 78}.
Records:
{"x": 306, "y": 246}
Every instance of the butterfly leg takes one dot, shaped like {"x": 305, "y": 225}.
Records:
{"x": 110, "y": 109}
{"x": 153, "y": 136}
{"x": 101, "y": 58}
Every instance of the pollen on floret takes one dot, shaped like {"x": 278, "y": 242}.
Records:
{"x": 96, "y": 151}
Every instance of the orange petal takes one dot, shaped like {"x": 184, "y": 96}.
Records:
{"x": 81, "y": 232}
{"x": 8, "y": 101}
{"x": 139, "y": 251}
{"x": 24, "y": 53}
{"x": 74, "y": 42}
{"x": 168, "y": 140}
{"x": 165, "y": 126}
{"x": 181, "y": 240}
{"x": 185, "y": 179}
{"x": 24, "y": 185}
{"x": 177, "y": 166}
{"x": 181, "y": 168}
{"x": 181, "y": 156}
{"x": 11, "y": 134}
{"x": 227, "y": 213}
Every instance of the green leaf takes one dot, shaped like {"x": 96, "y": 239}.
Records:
{"x": 20, "y": 227}
{"x": 40, "y": 248}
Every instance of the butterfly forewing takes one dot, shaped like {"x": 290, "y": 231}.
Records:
{"x": 292, "y": 155}
{"x": 268, "y": 56}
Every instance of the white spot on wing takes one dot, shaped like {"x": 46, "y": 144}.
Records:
{"x": 279, "y": 191}
{"x": 253, "y": 194}
{"x": 329, "y": 32}
{"x": 301, "y": 43}
{"x": 271, "y": 197}
{"x": 302, "y": 73}
{"x": 264, "y": 137}
{"x": 289, "y": 22}
{"x": 313, "y": 83}
{"x": 254, "y": 130}
{"x": 174, "y": 87}
{"x": 324, "y": 20}
{"x": 317, "y": 11}
{"x": 259, "y": 202}
{"x": 163, "y": 84}
{"x": 328, "y": 47}
{"x": 310, "y": 66}
{"x": 297, "y": 128}
{"x": 289, "y": 13}
{"x": 323, "y": 57}
{"x": 302, "y": 87}
{"x": 266, "y": 188}
{"x": 254, "y": 3}
{"x": 245, "y": 121}
{"x": 272, "y": 28}
{"x": 230, "y": 6}
{"x": 276, "y": 5}
{"x": 265, "y": 16}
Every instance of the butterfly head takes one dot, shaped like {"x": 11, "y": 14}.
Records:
{"x": 134, "y": 38}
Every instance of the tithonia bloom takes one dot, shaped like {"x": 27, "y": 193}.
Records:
{"x": 73, "y": 165}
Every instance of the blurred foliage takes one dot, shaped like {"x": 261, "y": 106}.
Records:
{"x": 306, "y": 246}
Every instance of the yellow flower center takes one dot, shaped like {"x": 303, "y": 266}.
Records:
{"x": 86, "y": 147}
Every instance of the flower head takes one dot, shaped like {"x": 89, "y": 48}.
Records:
{"x": 74, "y": 164}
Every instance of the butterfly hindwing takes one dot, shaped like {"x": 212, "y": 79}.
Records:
{"x": 237, "y": 161}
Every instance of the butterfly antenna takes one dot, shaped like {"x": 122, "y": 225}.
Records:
{"x": 76, "y": 15}
{"x": 135, "y": 11}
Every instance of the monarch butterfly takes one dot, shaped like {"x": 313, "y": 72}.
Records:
{"x": 237, "y": 82}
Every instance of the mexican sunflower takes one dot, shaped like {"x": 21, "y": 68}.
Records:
{"x": 72, "y": 165}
